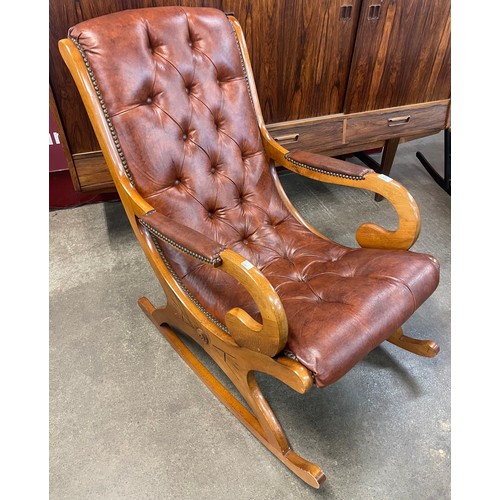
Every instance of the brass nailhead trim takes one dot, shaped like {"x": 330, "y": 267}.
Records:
{"x": 186, "y": 291}
{"x": 213, "y": 261}
{"x": 242, "y": 61}
{"x": 104, "y": 109}
{"x": 327, "y": 172}
{"x": 103, "y": 106}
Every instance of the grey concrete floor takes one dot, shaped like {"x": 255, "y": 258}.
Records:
{"x": 129, "y": 420}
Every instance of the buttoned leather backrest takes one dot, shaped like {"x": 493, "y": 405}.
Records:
{"x": 177, "y": 97}
{"x": 175, "y": 90}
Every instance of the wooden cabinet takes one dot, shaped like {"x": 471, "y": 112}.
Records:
{"x": 333, "y": 76}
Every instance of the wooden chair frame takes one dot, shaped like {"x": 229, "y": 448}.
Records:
{"x": 243, "y": 346}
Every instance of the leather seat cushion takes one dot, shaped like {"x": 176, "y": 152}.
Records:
{"x": 340, "y": 302}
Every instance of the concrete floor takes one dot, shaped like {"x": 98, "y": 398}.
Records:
{"x": 129, "y": 420}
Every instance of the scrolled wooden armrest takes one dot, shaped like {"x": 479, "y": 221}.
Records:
{"x": 268, "y": 337}
{"x": 334, "y": 171}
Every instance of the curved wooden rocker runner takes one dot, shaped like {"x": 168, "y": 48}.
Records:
{"x": 172, "y": 99}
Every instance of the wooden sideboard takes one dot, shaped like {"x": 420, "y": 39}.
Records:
{"x": 333, "y": 76}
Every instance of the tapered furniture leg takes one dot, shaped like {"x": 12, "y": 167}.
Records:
{"x": 445, "y": 181}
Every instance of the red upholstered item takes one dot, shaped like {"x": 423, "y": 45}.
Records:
{"x": 187, "y": 131}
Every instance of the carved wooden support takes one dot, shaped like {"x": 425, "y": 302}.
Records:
{"x": 240, "y": 365}
{"x": 427, "y": 348}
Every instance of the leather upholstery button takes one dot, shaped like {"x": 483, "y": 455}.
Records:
{"x": 184, "y": 137}
{"x": 149, "y": 100}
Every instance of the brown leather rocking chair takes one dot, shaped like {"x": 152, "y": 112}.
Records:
{"x": 172, "y": 99}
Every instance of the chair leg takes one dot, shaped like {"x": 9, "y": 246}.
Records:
{"x": 427, "y": 348}
{"x": 261, "y": 421}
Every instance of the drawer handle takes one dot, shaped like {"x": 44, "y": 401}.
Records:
{"x": 345, "y": 12}
{"x": 374, "y": 12}
{"x": 287, "y": 138}
{"x": 400, "y": 120}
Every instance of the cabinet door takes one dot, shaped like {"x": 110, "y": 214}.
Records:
{"x": 401, "y": 54}
{"x": 300, "y": 52}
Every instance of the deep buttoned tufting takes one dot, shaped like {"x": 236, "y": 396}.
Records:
{"x": 184, "y": 120}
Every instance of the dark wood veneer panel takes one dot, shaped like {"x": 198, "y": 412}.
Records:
{"x": 93, "y": 172}
{"x": 312, "y": 135}
{"x": 401, "y": 58}
{"x": 300, "y": 52}
{"x": 387, "y": 124}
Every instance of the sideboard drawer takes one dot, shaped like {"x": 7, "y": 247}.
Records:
{"x": 313, "y": 135}
{"x": 399, "y": 122}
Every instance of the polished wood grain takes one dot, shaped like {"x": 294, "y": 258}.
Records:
{"x": 383, "y": 124}
{"x": 402, "y": 57}
{"x": 313, "y": 134}
{"x": 302, "y": 60}
{"x": 369, "y": 235}
{"x": 301, "y": 54}
{"x": 93, "y": 172}
{"x": 240, "y": 369}
{"x": 340, "y": 132}
{"x": 271, "y": 336}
